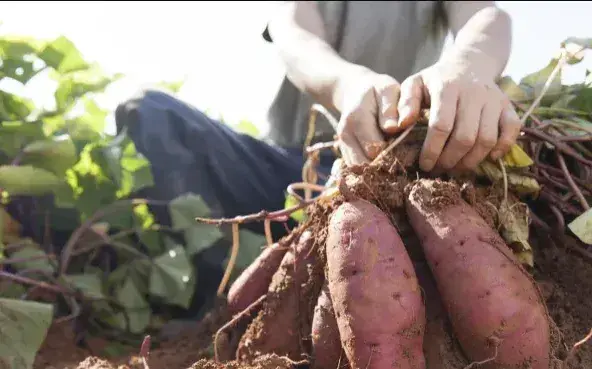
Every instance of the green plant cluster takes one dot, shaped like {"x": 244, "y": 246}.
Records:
{"x": 84, "y": 183}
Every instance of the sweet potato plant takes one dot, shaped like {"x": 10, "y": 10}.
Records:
{"x": 345, "y": 292}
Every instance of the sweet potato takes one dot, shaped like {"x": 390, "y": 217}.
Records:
{"x": 376, "y": 296}
{"x": 494, "y": 306}
{"x": 283, "y": 323}
{"x": 326, "y": 346}
{"x": 254, "y": 280}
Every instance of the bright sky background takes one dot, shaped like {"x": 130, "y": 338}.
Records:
{"x": 218, "y": 48}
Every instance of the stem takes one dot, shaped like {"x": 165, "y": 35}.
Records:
{"x": 32, "y": 282}
{"x": 560, "y": 146}
{"x": 233, "y": 322}
{"x": 546, "y": 87}
{"x": 68, "y": 248}
{"x": 571, "y": 182}
{"x": 278, "y": 215}
{"x": 319, "y": 146}
{"x": 393, "y": 144}
{"x": 232, "y": 261}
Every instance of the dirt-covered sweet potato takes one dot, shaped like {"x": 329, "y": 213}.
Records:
{"x": 326, "y": 345}
{"x": 283, "y": 324}
{"x": 254, "y": 281}
{"x": 494, "y": 306}
{"x": 376, "y": 296}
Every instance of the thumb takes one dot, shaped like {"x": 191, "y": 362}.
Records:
{"x": 410, "y": 101}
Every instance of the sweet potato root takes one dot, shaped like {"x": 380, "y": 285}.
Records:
{"x": 326, "y": 345}
{"x": 376, "y": 296}
{"x": 284, "y": 321}
{"x": 494, "y": 306}
{"x": 255, "y": 279}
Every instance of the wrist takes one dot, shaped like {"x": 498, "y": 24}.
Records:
{"x": 344, "y": 74}
{"x": 473, "y": 61}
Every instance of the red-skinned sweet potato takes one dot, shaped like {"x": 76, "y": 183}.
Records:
{"x": 326, "y": 345}
{"x": 376, "y": 296}
{"x": 254, "y": 280}
{"x": 494, "y": 307}
{"x": 283, "y": 324}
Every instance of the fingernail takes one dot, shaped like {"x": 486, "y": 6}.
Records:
{"x": 390, "y": 124}
{"x": 427, "y": 165}
{"x": 403, "y": 113}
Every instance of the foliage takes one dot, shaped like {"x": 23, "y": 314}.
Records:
{"x": 116, "y": 262}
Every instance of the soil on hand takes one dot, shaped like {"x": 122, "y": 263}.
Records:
{"x": 564, "y": 279}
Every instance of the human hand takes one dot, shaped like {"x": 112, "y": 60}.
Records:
{"x": 368, "y": 104}
{"x": 470, "y": 117}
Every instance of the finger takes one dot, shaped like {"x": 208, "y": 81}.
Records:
{"x": 410, "y": 101}
{"x": 466, "y": 127}
{"x": 388, "y": 115}
{"x": 510, "y": 126}
{"x": 365, "y": 129}
{"x": 442, "y": 112}
{"x": 486, "y": 136}
{"x": 349, "y": 146}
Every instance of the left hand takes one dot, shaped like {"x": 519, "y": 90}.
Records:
{"x": 470, "y": 117}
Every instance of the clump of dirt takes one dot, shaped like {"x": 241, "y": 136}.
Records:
{"x": 59, "y": 350}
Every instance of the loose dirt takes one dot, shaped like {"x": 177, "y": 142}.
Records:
{"x": 563, "y": 277}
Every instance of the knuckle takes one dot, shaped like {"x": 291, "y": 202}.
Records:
{"x": 487, "y": 142}
{"x": 464, "y": 140}
{"x": 441, "y": 127}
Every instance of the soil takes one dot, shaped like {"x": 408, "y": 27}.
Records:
{"x": 563, "y": 277}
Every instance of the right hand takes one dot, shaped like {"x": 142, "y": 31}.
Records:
{"x": 368, "y": 108}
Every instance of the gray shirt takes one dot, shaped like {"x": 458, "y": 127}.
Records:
{"x": 397, "y": 38}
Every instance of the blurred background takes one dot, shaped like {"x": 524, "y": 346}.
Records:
{"x": 217, "y": 50}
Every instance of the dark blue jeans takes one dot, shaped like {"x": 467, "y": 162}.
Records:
{"x": 234, "y": 173}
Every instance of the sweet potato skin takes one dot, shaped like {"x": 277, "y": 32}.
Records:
{"x": 255, "y": 279}
{"x": 494, "y": 307}
{"x": 288, "y": 308}
{"x": 326, "y": 345}
{"x": 376, "y": 296}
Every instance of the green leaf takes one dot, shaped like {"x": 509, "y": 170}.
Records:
{"x": 76, "y": 85}
{"x": 172, "y": 86}
{"x": 185, "y": 208}
{"x": 16, "y": 135}
{"x": 23, "y": 327}
{"x": 583, "y": 42}
{"x": 89, "y": 284}
{"x": 247, "y": 127}
{"x": 14, "y": 108}
{"x": 63, "y": 56}
{"x": 33, "y": 256}
{"x": 27, "y": 180}
{"x": 583, "y": 100}
{"x": 171, "y": 274}
{"x": 512, "y": 90}
{"x": 535, "y": 81}
{"x": 136, "y": 307}
{"x": 582, "y": 227}
{"x": 201, "y": 236}
{"x": 56, "y": 155}
{"x": 298, "y": 215}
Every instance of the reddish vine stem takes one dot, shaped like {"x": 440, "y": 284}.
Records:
{"x": 233, "y": 321}
{"x": 571, "y": 182}
{"x": 560, "y": 146}
{"x": 278, "y": 216}
{"x": 33, "y": 282}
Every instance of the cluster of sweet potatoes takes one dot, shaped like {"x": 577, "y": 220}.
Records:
{"x": 361, "y": 306}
